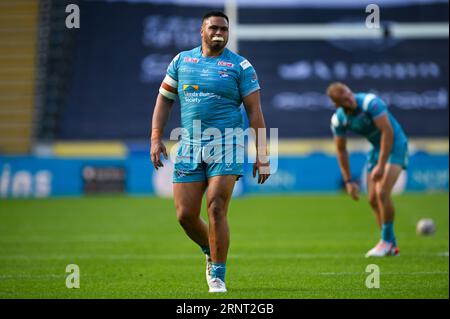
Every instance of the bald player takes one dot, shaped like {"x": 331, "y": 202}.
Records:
{"x": 367, "y": 115}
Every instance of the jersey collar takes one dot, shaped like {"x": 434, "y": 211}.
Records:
{"x": 199, "y": 51}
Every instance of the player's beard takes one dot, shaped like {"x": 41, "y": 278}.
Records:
{"x": 217, "y": 46}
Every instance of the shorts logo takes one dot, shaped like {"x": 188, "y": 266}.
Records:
{"x": 190, "y": 60}
{"x": 227, "y": 64}
{"x": 180, "y": 173}
{"x": 245, "y": 64}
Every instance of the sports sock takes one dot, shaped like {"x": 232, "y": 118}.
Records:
{"x": 387, "y": 233}
{"x": 218, "y": 271}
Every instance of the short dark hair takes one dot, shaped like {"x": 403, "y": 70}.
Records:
{"x": 215, "y": 14}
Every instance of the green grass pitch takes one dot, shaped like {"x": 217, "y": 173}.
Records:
{"x": 306, "y": 246}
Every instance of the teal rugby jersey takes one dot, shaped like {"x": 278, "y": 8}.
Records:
{"x": 369, "y": 107}
{"x": 211, "y": 89}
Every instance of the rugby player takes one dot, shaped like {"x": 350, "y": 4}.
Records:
{"x": 367, "y": 115}
{"x": 211, "y": 82}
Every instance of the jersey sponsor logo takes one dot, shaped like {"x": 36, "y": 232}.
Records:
{"x": 187, "y": 86}
{"x": 191, "y": 94}
{"x": 245, "y": 64}
{"x": 205, "y": 72}
{"x": 254, "y": 78}
{"x": 224, "y": 63}
{"x": 375, "y": 105}
{"x": 186, "y": 70}
{"x": 223, "y": 74}
{"x": 190, "y": 60}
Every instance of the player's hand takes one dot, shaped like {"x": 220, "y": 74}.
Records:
{"x": 377, "y": 173}
{"x": 157, "y": 147}
{"x": 263, "y": 170}
{"x": 352, "y": 190}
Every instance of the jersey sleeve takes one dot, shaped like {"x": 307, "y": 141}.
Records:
{"x": 337, "y": 126}
{"x": 172, "y": 69}
{"x": 169, "y": 86}
{"x": 374, "y": 106}
{"x": 248, "y": 80}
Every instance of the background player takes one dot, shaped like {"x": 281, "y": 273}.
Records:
{"x": 367, "y": 115}
{"x": 211, "y": 82}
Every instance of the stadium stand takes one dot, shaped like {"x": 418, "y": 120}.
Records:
{"x": 18, "y": 23}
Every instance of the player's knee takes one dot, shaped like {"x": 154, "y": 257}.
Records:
{"x": 382, "y": 194}
{"x": 184, "y": 216}
{"x": 216, "y": 209}
{"x": 373, "y": 201}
